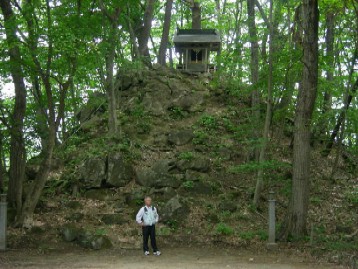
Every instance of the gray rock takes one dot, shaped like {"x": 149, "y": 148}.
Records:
{"x": 95, "y": 105}
{"x": 199, "y": 164}
{"x": 96, "y": 242}
{"x": 194, "y": 175}
{"x": 181, "y": 137}
{"x": 161, "y": 194}
{"x": 174, "y": 210}
{"x": 192, "y": 102}
{"x": 93, "y": 172}
{"x": 70, "y": 233}
{"x": 119, "y": 172}
{"x": 163, "y": 166}
{"x": 166, "y": 180}
{"x": 145, "y": 177}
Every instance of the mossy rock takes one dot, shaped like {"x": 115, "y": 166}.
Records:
{"x": 70, "y": 233}
{"x": 96, "y": 242}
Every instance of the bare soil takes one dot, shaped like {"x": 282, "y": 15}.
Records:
{"x": 179, "y": 258}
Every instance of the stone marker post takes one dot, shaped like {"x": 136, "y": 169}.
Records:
{"x": 3, "y": 221}
{"x": 272, "y": 222}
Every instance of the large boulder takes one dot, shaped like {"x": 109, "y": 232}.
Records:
{"x": 95, "y": 105}
{"x": 159, "y": 175}
{"x": 181, "y": 137}
{"x": 199, "y": 164}
{"x": 163, "y": 166}
{"x": 148, "y": 178}
{"x": 174, "y": 211}
{"x": 70, "y": 233}
{"x": 145, "y": 176}
{"x": 96, "y": 242}
{"x": 93, "y": 172}
{"x": 119, "y": 172}
{"x": 191, "y": 102}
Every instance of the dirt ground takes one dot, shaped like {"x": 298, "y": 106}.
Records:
{"x": 178, "y": 258}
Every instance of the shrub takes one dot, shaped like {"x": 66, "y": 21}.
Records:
{"x": 223, "y": 229}
{"x": 188, "y": 155}
{"x": 189, "y": 184}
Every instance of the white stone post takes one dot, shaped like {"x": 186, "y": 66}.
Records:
{"x": 272, "y": 222}
{"x": 3, "y": 221}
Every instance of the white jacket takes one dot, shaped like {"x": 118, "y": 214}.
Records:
{"x": 147, "y": 215}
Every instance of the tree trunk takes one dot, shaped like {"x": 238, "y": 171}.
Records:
{"x": 265, "y": 136}
{"x": 145, "y": 31}
{"x": 297, "y": 216}
{"x": 196, "y": 16}
{"x": 2, "y": 169}
{"x": 26, "y": 218}
{"x": 165, "y": 35}
{"x": 254, "y": 68}
{"x": 109, "y": 85}
{"x": 17, "y": 145}
{"x": 327, "y": 97}
{"x": 330, "y": 24}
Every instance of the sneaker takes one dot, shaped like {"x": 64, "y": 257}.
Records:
{"x": 146, "y": 253}
{"x": 157, "y": 253}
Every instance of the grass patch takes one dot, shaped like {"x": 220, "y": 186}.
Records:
{"x": 224, "y": 229}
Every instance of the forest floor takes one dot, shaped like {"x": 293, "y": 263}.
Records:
{"x": 190, "y": 258}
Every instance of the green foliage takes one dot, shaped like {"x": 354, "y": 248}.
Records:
{"x": 188, "y": 184}
{"x": 352, "y": 196}
{"x": 188, "y": 155}
{"x": 209, "y": 122}
{"x": 100, "y": 231}
{"x": 250, "y": 235}
{"x": 201, "y": 138}
{"x": 177, "y": 113}
{"x": 224, "y": 229}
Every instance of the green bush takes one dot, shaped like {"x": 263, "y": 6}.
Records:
{"x": 223, "y": 229}
{"x": 209, "y": 122}
{"x": 201, "y": 138}
{"x": 177, "y": 113}
{"x": 189, "y": 184}
{"x": 188, "y": 155}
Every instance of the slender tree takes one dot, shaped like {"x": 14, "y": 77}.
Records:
{"x": 17, "y": 146}
{"x": 144, "y": 33}
{"x": 267, "y": 124}
{"x": 111, "y": 41}
{"x": 297, "y": 216}
{"x": 254, "y": 69}
{"x": 165, "y": 35}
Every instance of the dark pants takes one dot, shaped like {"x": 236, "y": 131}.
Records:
{"x": 149, "y": 231}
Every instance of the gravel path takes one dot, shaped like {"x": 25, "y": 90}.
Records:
{"x": 178, "y": 258}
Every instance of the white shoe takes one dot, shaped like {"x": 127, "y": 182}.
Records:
{"x": 157, "y": 253}
{"x": 146, "y": 253}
